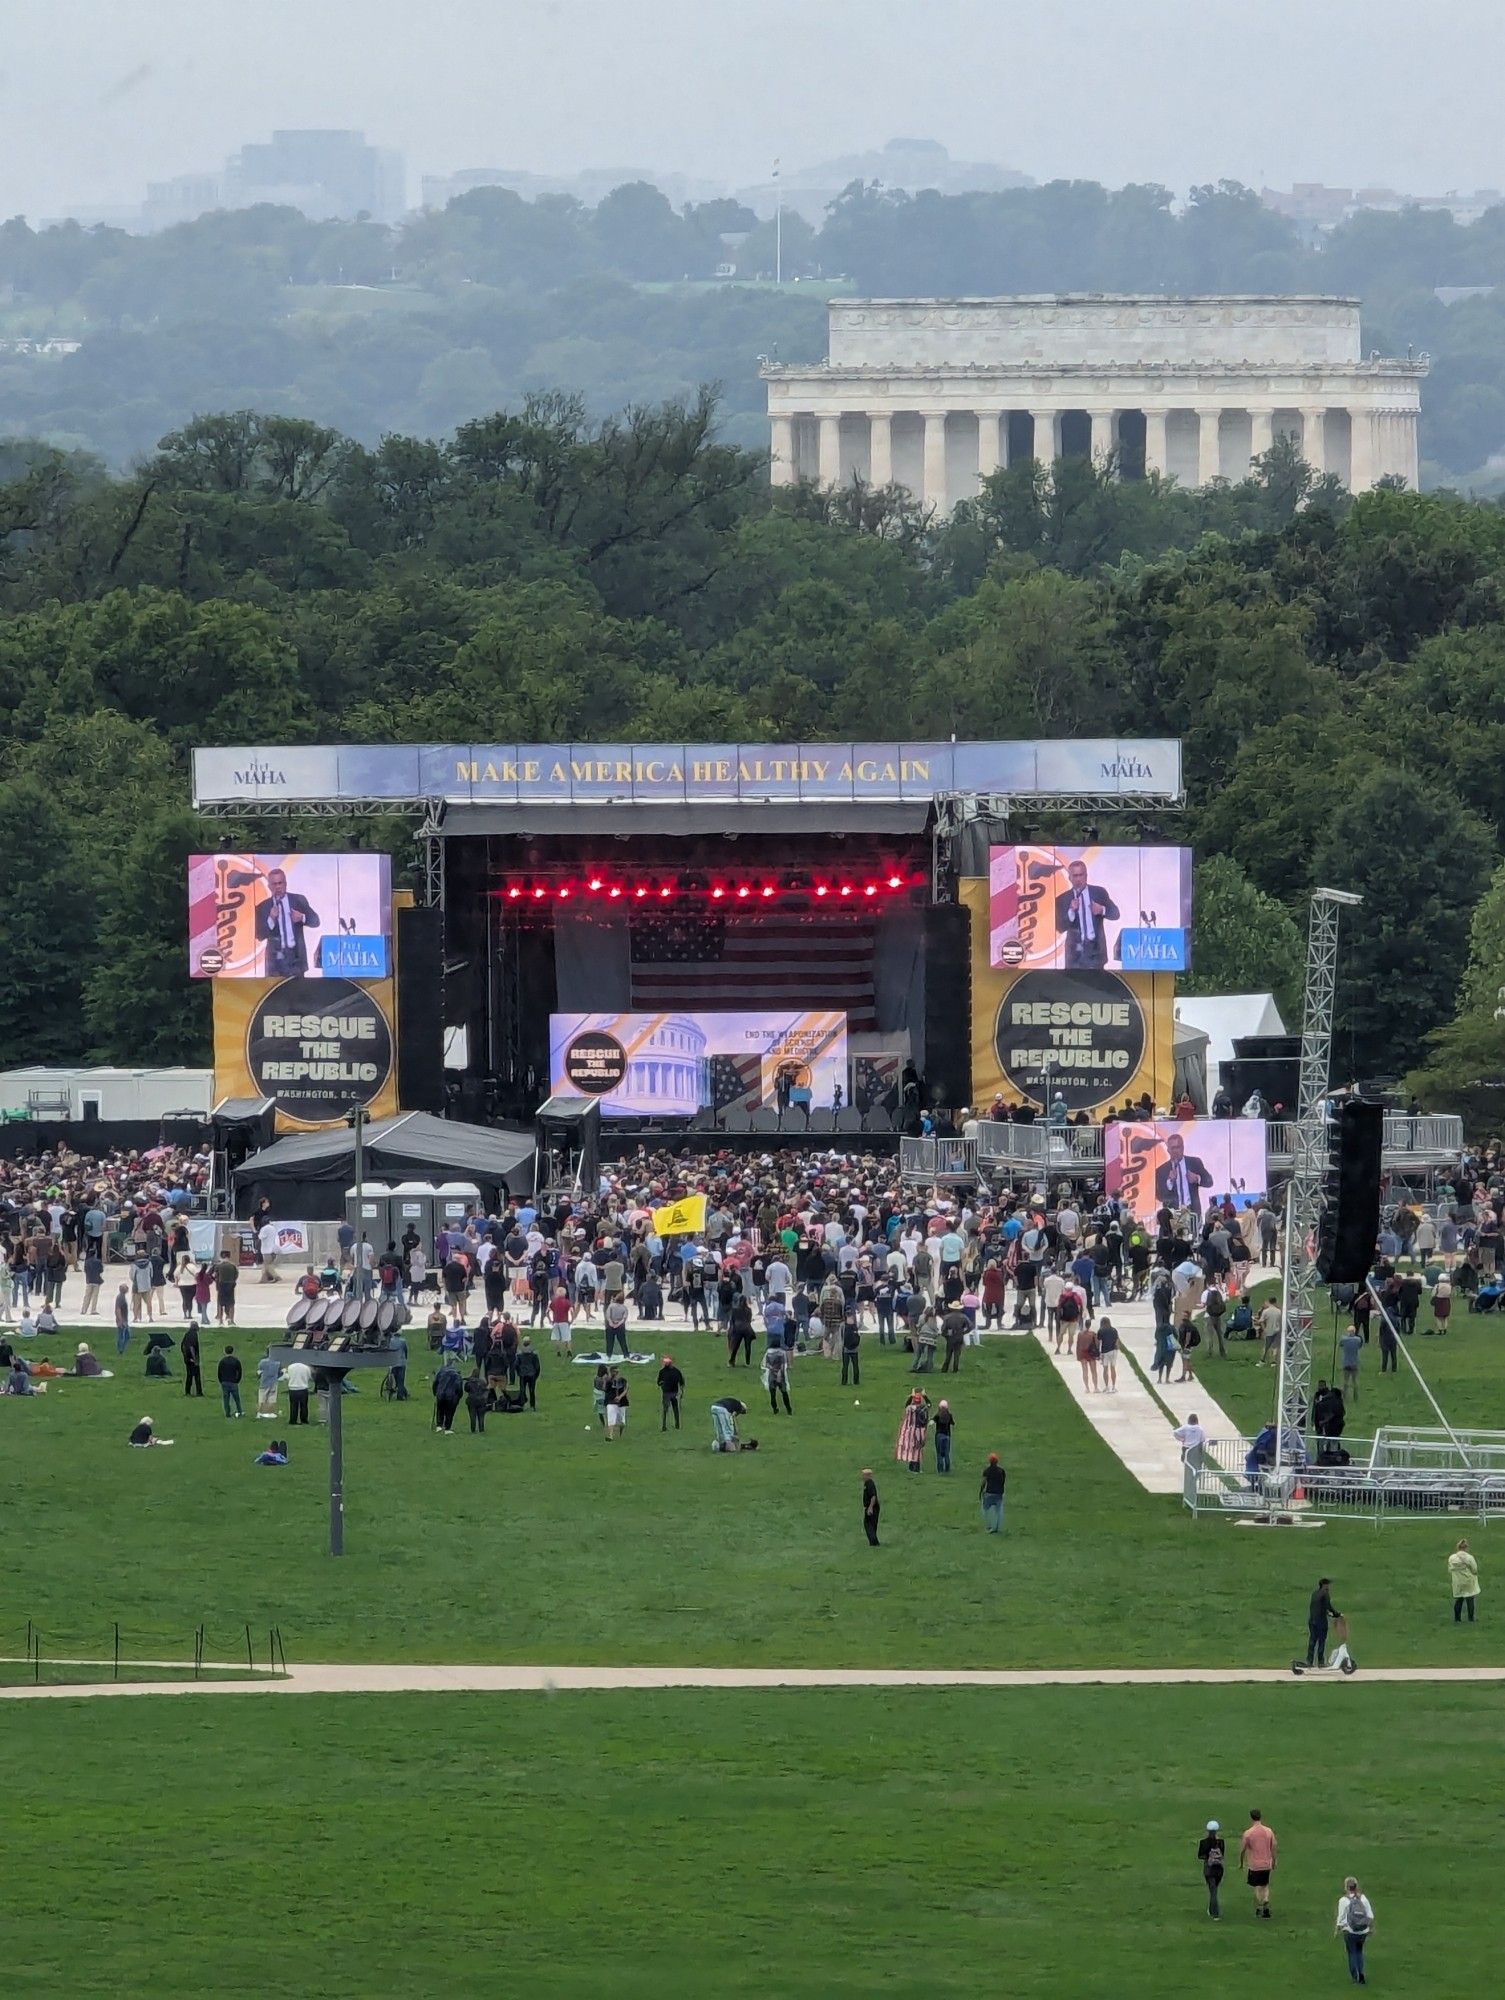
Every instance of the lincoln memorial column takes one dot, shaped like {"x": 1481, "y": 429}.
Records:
{"x": 1261, "y": 433}
{"x": 1360, "y": 451}
{"x": 1209, "y": 447}
{"x": 880, "y": 431}
{"x": 830, "y": 451}
{"x": 1314, "y": 439}
{"x": 781, "y": 460}
{"x": 935, "y": 491}
{"x": 1156, "y": 446}
{"x": 1104, "y": 434}
{"x": 988, "y": 456}
{"x": 1044, "y": 449}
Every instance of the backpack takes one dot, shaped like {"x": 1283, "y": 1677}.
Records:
{"x": 1240, "y": 1320}
{"x": 1358, "y": 1921}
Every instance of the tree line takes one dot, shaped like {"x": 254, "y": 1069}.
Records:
{"x": 415, "y": 327}
{"x": 1333, "y": 668}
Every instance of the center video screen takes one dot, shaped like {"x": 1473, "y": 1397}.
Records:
{"x": 1070, "y": 909}
{"x": 673, "y": 1065}
{"x": 290, "y": 916}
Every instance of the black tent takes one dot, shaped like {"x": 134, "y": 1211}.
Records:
{"x": 306, "y": 1174}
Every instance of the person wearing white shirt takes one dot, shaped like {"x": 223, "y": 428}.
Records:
{"x": 299, "y": 1379}
{"x": 1355, "y": 1925}
{"x": 1069, "y": 1222}
{"x": 1051, "y": 1287}
{"x": 779, "y": 1279}
{"x": 1191, "y": 1437}
{"x": 909, "y": 1242}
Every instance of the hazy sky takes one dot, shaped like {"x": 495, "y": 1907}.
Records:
{"x": 98, "y": 96}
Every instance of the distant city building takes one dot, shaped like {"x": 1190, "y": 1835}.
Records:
{"x": 325, "y": 174}
{"x": 936, "y": 394}
{"x": 910, "y": 165}
{"x": 1319, "y": 207}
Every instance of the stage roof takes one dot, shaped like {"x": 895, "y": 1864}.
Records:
{"x": 415, "y": 1143}
{"x": 632, "y": 776}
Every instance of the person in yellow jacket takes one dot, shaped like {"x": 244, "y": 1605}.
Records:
{"x": 1463, "y": 1573}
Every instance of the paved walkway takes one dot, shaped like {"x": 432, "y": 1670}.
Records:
{"x": 420, "y": 1679}
{"x": 1130, "y": 1420}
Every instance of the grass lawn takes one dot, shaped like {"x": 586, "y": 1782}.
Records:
{"x": 539, "y": 1542}
{"x": 1028, "y": 1842}
{"x": 1465, "y": 1371}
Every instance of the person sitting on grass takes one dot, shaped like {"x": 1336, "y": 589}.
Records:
{"x": 157, "y": 1369}
{"x": 275, "y": 1454}
{"x": 18, "y": 1382}
{"x": 144, "y": 1435}
{"x": 85, "y": 1364}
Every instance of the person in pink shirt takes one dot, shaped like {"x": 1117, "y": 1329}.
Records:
{"x": 1258, "y": 1851}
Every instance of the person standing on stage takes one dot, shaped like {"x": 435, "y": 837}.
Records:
{"x": 283, "y": 922}
{"x": 1082, "y": 912}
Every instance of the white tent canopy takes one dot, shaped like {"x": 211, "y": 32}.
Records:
{"x": 1225, "y": 1018}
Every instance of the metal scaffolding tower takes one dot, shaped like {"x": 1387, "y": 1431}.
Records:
{"x": 1304, "y": 1197}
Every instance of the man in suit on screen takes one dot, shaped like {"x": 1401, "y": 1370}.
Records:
{"x": 283, "y": 922}
{"x": 1179, "y": 1183}
{"x": 1082, "y": 910}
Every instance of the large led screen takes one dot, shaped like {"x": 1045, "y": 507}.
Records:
{"x": 1077, "y": 909}
{"x": 1185, "y": 1164}
{"x": 673, "y": 1065}
{"x": 290, "y": 916}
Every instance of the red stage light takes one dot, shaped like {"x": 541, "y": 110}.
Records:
{"x": 640, "y": 891}
{"x": 846, "y": 888}
{"x": 538, "y": 895}
{"x": 562, "y": 893}
{"x": 895, "y": 882}
{"x": 870, "y": 889}
{"x": 768, "y": 888}
{"x": 595, "y": 882}
{"x": 823, "y": 890}
{"x": 614, "y": 892}
{"x": 718, "y": 893}
{"x": 666, "y": 890}
{"x": 744, "y": 890}
{"x": 514, "y": 892}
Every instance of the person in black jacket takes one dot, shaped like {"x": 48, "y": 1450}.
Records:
{"x": 526, "y": 1368}
{"x": 447, "y": 1392}
{"x": 229, "y": 1374}
{"x": 1318, "y": 1611}
{"x": 1210, "y": 1852}
{"x": 739, "y": 1331}
{"x": 193, "y": 1374}
{"x": 671, "y": 1388}
{"x": 870, "y": 1506}
{"x": 475, "y": 1399}
{"x": 851, "y": 1343}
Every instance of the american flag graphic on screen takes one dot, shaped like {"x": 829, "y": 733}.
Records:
{"x": 706, "y": 962}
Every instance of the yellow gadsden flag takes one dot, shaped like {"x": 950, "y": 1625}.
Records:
{"x": 681, "y": 1218}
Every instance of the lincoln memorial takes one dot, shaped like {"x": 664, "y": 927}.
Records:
{"x": 934, "y": 394}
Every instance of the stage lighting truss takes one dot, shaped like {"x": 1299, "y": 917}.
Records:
{"x": 751, "y": 891}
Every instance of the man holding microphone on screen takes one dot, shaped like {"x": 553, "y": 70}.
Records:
{"x": 283, "y": 922}
{"x": 1081, "y": 912}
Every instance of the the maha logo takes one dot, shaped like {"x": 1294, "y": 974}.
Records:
{"x": 257, "y": 774}
{"x": 1126, "y": 765}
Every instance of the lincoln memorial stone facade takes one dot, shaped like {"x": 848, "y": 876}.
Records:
{"x": 934, "y": 394}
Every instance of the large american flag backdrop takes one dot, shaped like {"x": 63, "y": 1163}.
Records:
{"x": 704, "y": 962}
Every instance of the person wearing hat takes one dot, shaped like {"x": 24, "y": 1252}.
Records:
{"x": 85, "y": 1363}
{"x": 1210, "y": 1852}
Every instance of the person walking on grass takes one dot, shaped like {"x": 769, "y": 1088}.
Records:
{"x": 776, "y": 1379}
{"x": 990, "y": 1493}
{"x": 909, "y": 1446}
{"x": 1350, "y": 1350}
{"x": 193, "y": 1374}
{"x": 228, "y": 1374}
{"x": 870, "y": 1506}
{"x": 1463, "y": 1574}
{"x": 475, "y": 1399}
{"x": 1258, "y": 1853}
{"x": 1211, "y": 1853}
{"x": 1355, "y": 1925}
{"x": 671, "y": 1389}
{"x": 448, "y": 1389}
{"x": 122, "y": 1320}
{"x": 944, "y": 1424}
{"x": 851, "y": 1344}
{"x": 955, "y": 1326}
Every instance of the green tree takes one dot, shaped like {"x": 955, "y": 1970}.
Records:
{"x": 1464, "y": 1067}
{"x": 1420, "y": 859}
{"x": 1243, "y": 941}
{"x": 46, "y": 925}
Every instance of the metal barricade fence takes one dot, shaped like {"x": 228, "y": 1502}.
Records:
{"x": 1215, "y": 1482}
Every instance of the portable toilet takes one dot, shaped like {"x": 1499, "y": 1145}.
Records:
{"x": 413, "y": 1206}
{"x": 373, "y": 1218}
{"x": 453, "y": 1201}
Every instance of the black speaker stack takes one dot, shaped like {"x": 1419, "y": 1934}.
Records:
{"x": 1351, "y": 1209}
{"x": 420, "y": 1010}
{"x": 947, "y": 1067}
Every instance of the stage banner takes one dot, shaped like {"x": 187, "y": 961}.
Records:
{"x": 685, "y": 773}
{"x": 672, "y": 1065}
{"x": 1186, "y": 1164}
{"x": 283, "y": 916}
{"x": 315, "y": 1047}
{"x": 1092, "y": 1037}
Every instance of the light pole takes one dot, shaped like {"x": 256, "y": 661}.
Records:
{"x": 355, "y": 1118}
